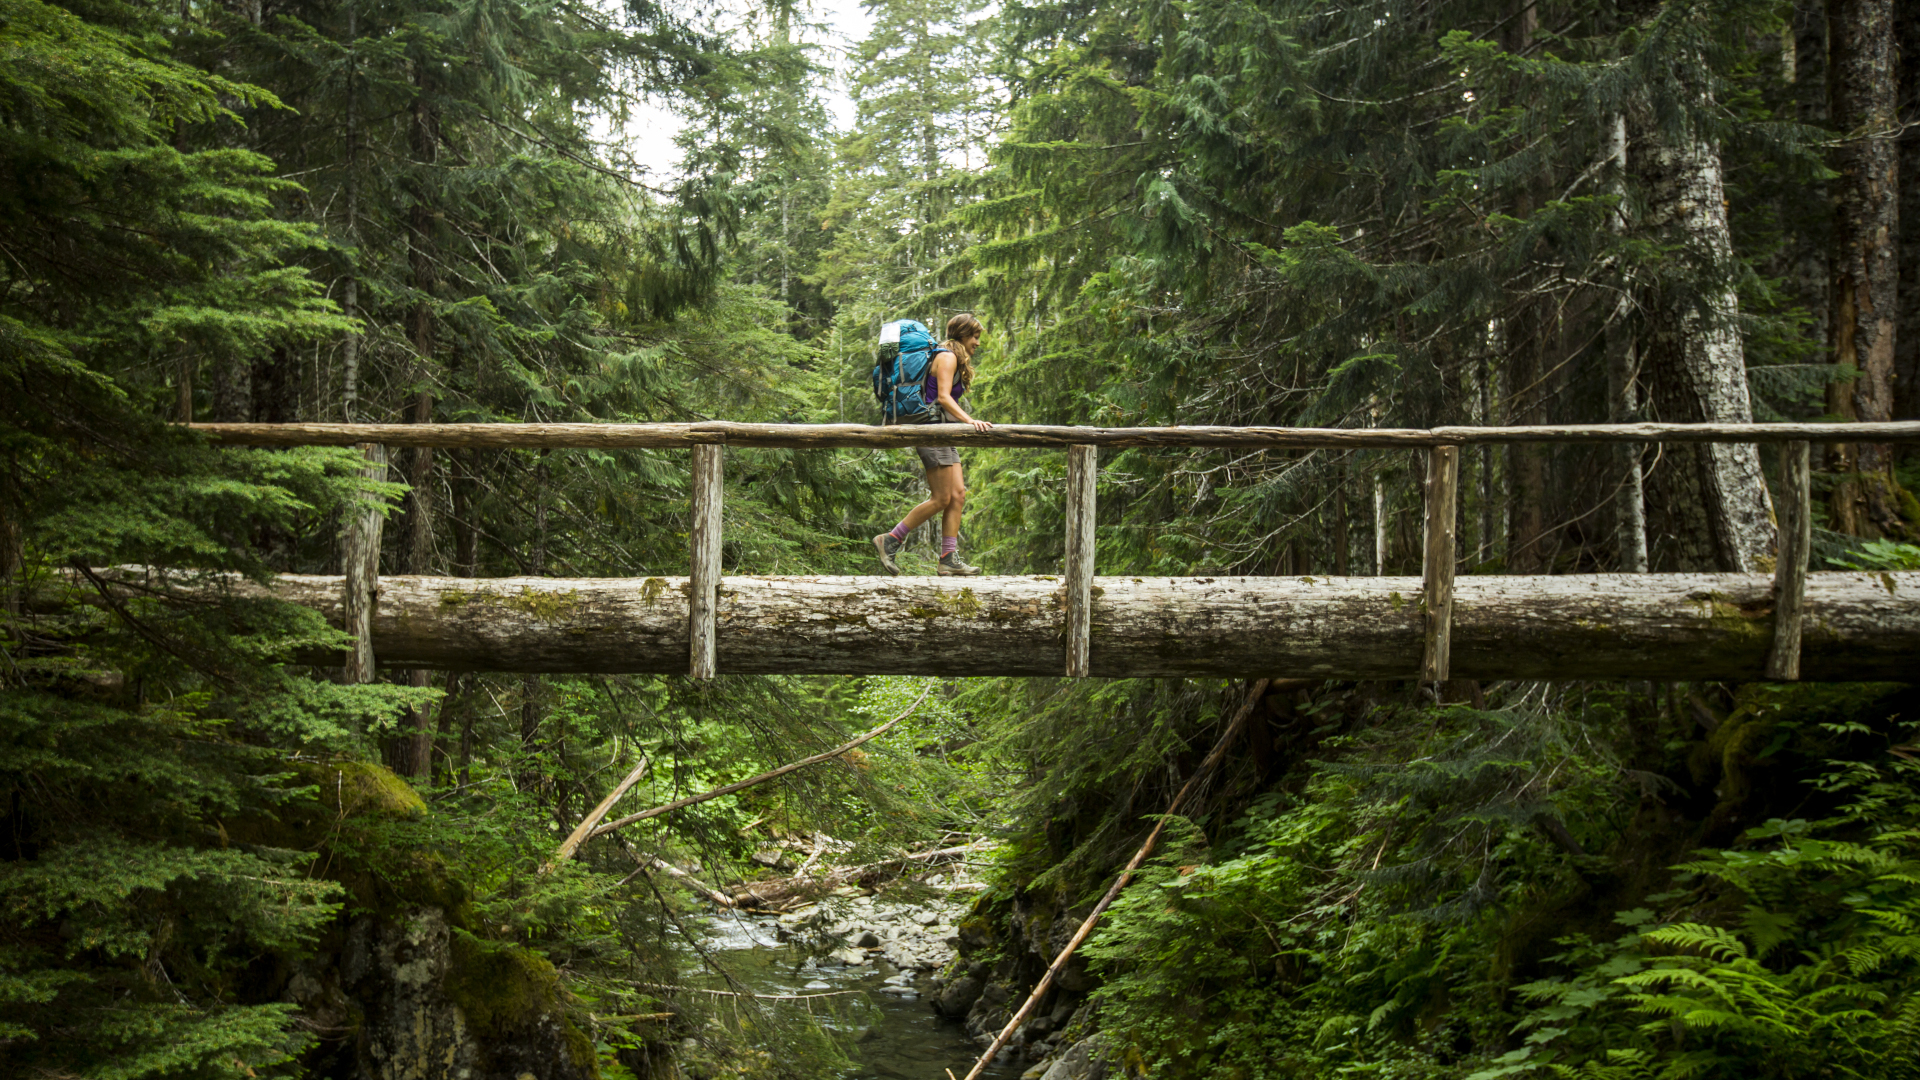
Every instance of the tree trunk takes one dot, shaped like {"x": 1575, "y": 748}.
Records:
{"x": 1379, "y": 526}
{"x": 275, "y": 387}
{"x": 232, "y": 390}
{"x": 530, "y": 687}
{"x": 423, "y": 141}
{"x": 12, "y": 534}
{"x": 1711, "y": 500}
{"x": 465, "y": 537}
{"x": 183, "y": 391}
{"x": 411, "y": 753}
{"x": 360, "y": 559}
{"x": 1623, "y": 373}
{"x": 1865, "y": 267}
{"x": 1340, "y": 552}
{"x": 417, "y": 554}
{"x": 350, "y": 292}
{"x": 1906, "y": 345}
{"x": 1526, "y": 464}
{"x": 1593, "y": 626}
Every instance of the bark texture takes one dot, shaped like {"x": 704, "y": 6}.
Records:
{"x": 1906, "y": 345}
{"x": 359, "y": 586}
{"x": 1707, "y": 506}
{"x": 1623, "y": 378}
{"x": 1030, "y": 436}
{"x": 1866, "y": 278}
{"x": 1602, "y": 626}
{"x": 1082, "y": 466}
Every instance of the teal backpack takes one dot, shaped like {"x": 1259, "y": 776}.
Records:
{"x": 900, "y": 372}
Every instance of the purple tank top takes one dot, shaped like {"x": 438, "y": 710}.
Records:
{"x": 933, "y": 384}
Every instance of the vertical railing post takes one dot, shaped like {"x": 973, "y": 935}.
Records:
{"x": 703, "y": 580}
{"x": 1790, "y": 570}
{"x": 360, "y": 565}
{"x": 1443, "y": 483}
{"x": 1082, "y": 468}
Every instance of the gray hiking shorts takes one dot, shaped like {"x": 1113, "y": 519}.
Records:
{"x": 934, "y": 457}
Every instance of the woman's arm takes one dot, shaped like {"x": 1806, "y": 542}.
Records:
{"x": 944, "y": 364}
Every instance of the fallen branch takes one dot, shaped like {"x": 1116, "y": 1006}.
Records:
{"x": 579, "y": 835}
{"x": 1060, "y": 962}
{"x": 762, "y": 893}
{"x": 693, "y": 883}
{"x": 740, "y": 994}
{"x": 763, "y": 777}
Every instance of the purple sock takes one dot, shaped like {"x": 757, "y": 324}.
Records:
{"x": 898, "y": 532}
{"x": 949, "y": 545}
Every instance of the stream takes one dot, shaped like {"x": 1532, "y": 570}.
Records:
{"x": 888, "y": 1029}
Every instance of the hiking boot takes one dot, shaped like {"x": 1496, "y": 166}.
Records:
{"x": 952, "y": 566}
{"x": 887, "y": 546}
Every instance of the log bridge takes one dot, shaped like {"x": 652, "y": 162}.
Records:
{"x": 1788, "y": 625}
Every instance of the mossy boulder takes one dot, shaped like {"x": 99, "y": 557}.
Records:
{"x": 439, "y": 1002}
{"x": 354, "y": 788}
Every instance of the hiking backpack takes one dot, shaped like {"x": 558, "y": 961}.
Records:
{"x": 900, "y": 371}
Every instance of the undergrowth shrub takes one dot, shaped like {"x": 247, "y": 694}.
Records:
{"x": 1546, "y": 886}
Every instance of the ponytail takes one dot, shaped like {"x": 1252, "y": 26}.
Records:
{"x": 960, "y": 329}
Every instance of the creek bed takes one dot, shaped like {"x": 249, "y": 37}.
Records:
{"x": 891, "y": 1033}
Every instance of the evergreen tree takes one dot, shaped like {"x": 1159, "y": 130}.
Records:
{"x": 924, "y": 119}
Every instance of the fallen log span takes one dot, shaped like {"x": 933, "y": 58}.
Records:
{"x": 1858, "y": 626}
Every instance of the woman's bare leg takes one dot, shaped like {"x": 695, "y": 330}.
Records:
{"x": 945, "y": 484}
{"x": 956, "y": 501}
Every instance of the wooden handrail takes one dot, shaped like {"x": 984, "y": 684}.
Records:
{"x": 828, "y": 436}
{"x": 708, "y": 437}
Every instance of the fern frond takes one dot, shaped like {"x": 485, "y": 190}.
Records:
{"x": 1714, "y": 941}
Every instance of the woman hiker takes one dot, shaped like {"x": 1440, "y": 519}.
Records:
{"x": 947, "y": 380}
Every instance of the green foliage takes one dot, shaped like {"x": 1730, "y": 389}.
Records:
{"x": 1382, "y": 906}
{"x": 1881, "y": 555}
{"x": 1811, "y": 969}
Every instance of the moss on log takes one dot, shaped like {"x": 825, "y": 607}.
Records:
{"x": 1858, "y": 626}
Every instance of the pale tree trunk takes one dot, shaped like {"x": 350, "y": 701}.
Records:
{"x": 1379, "y": 526}
{"x": 1623, "y": 372}
{"x": 360, "y": 562}
{"x": 1709, "y": 502}
{"x": 1865, "y": 286}
{"x": 1340, "y": 543}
